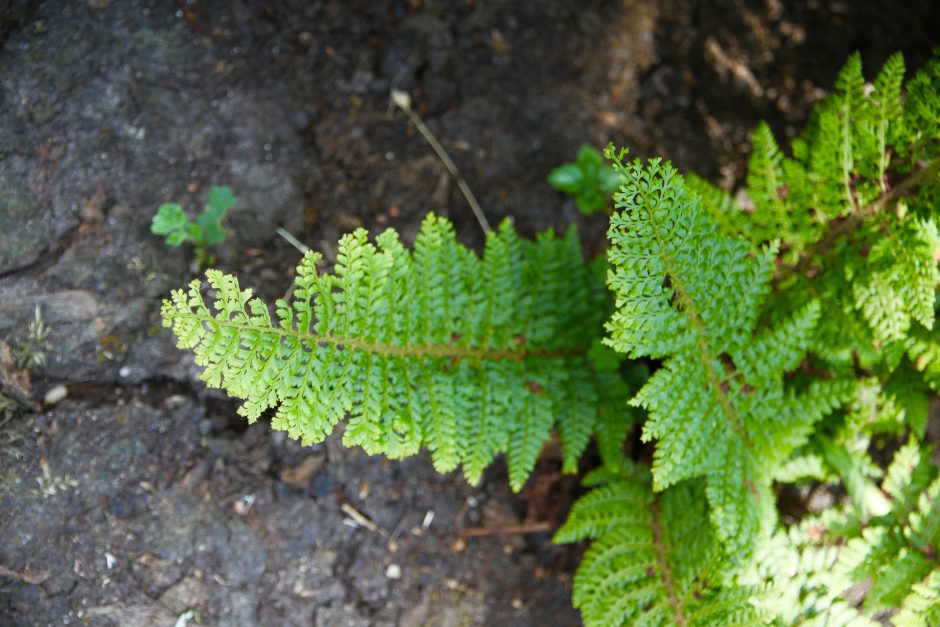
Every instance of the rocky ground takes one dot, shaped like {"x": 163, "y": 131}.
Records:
{"x": 139, "y": 496}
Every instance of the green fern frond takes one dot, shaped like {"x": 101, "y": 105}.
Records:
{"x": 718, "y": 408}
{"x": 887, "y": 120}
{"x": 437, "y": 348}
{"x": 899, "y": 280}
{"x": 843, "y": 161}
{"x": 867, "y": 241}
{"x": 899, "y": 550}
{"x": 772, "y": 217}
{"x": 921, "y": 129}
{"x": 805, "y": 583}
{"x": 803, "y": 579}
{"x": 834, "y": 151}
{"x": 923, "y": 349}
{"x": 812, "y": 567}
{"x": 655, "y": 559}
{"x": 921, "y": 608}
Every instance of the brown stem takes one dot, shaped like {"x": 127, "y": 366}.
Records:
{"x": 27, "y": 576}
{"x": 659, "y": 542}
{"x": 475, "y": 532}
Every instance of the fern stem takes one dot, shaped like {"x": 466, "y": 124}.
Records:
{"x": 659, "y": 542}
{"x": 440, "y": 351}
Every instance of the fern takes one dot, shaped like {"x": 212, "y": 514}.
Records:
{"x": 876, "y": 251}
{"x": 790, "y": 332}
{"x": 469, "y": 357}
{"x": 900, "y": 549}
{"x": 808, "y": 571}
{"x": 802, "y": 579}
{"x": 767, "y": 186}
{"x": 718, "y": 407}
{"x": 921, "y": 608}
{"x": 655, "y": 559}
{"x": 733, "y": 302}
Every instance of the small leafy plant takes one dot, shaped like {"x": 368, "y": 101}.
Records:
{"x": 792, "y": 345}
{"x": 588, "y": 179}
{"x": 30, "y": 351}
{"x": 172, "y": 221}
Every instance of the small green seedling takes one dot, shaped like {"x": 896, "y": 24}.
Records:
{"x": 171, "y": 220}
{"x": 589, "y": 179}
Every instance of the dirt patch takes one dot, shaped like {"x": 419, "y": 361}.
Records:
{"x": 141, "y": 496}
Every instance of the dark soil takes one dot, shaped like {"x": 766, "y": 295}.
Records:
{"x": 141, "y": 496}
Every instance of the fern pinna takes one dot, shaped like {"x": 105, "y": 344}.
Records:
{"x": 655, "y": 560}
{"x": 469, "y": 357}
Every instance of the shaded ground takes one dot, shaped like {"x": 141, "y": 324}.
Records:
{"x": 140, "y": 496}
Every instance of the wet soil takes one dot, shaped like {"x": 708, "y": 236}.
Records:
{"x": 140, "y": 496}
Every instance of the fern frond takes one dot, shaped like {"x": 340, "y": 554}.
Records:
{"x": 843, "y": 162}
{"x": 868, "y": 249}
{"x": 899, "y": 280}
{"x": 887, "y": 119}
{"x": 921, "y": 123}
{"x": 899, "y": 550}
{"x": 655, "y": 559}
{"x": 921, "y": 608}
{"x": 803, "y": 578}
{"x": 766, "y": 186}
{"x": 438, "y": 348}
{"x": 813, "y": 566}
{"x": 718, "y": 408}
{"x": 834, "y": 155}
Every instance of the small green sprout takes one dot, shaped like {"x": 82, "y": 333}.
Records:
{"x": 30, "y": 352}
{"x": 588, "y": 179}
{"x": 171, "y": 220}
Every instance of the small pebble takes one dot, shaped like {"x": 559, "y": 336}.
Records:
{"x": 126, "y": 505}
{"x": 321, "y": 486}
{"x": 55, "y": 394}
{"x": 393, "y": 571}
